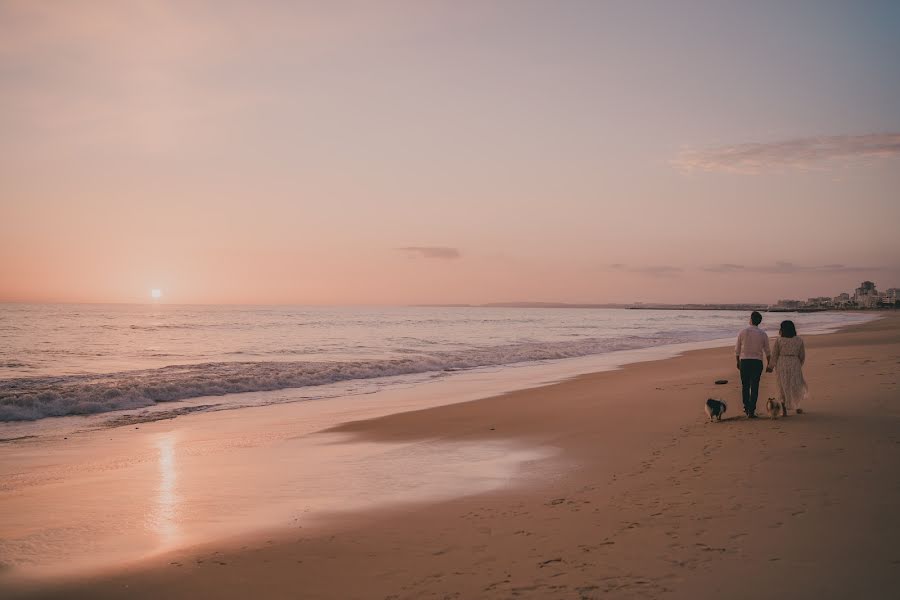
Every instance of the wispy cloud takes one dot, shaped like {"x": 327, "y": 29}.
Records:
{"x": 753, "y": 158}
{"x": 430, "y": 252}
{"x": 650, "y": 270}
{"x": 784, "y": 268}
{"x": 725, "y": 268}
{"x": 659, "y": 270}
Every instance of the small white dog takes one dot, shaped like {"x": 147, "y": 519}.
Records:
{"x": 715, "y": 409}
{"x": 774, "y": 408}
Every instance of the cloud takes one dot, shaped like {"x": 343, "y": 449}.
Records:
{"x": 784, "y": 268}
{"x": 724, "y": 268}
{"x": 430, "y": 252}
{"x": 651, "y": 270}
{"x": 659, "y": 270}
{"x": 803, "y": 153}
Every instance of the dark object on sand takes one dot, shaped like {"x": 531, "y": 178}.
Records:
{"x": 721, "y": 381}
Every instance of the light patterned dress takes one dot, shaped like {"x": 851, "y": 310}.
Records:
{"x": 788, "y": 356}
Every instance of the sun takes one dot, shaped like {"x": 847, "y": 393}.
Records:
{"x": 156, "y": 294}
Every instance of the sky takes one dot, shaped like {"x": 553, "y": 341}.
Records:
{"x": 387, "y": 152}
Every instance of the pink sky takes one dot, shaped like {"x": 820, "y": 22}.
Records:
{"x": 413, "y": 152}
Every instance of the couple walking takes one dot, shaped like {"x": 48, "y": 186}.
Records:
{"x": 786, "y": 359}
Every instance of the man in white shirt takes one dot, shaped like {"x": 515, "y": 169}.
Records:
{"x": 752, "y": 344}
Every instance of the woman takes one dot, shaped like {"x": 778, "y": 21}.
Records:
{"x": 788, "y": 356}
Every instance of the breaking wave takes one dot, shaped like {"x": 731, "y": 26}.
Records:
{"x": 34, "y": 398}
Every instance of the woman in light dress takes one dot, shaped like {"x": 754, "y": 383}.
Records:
{"x": 788, "y": 356}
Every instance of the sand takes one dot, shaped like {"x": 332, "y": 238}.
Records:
{"x": 642, "y": 499}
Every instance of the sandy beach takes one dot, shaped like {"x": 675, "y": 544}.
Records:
{"x": 633, "y": 495}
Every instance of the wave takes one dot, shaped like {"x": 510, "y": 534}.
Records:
{"x": 13, "y": 364}
{"x": 34, "y": 398}
{"x": 223, "y": 325}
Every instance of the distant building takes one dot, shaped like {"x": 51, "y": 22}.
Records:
{"x": 868, "y": 301}
{"x": 820, "y": 301}
{"x": 889, "y": 298}
{"x": 866, "y": 296}
{"x": 866, "y": 288}
{"x": 842, "y": 300}
{"x": 788, "y": 304}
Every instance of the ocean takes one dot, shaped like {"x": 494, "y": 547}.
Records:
{"x": 61, "y": 360}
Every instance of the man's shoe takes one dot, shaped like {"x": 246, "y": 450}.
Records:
{"x": 752, "y": 416}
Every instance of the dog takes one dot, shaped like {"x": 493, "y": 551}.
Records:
{"x": 774, "y": 408}
{"x": 715, "y": 409}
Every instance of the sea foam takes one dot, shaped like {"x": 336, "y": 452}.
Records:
{"x": 34, "y": 398}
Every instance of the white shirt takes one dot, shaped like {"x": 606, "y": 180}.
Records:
{"x": 752, "y": 343}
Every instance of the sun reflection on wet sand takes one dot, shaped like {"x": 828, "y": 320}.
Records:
{"x": 187, "y": 487}
{"x": 163, "y": 519}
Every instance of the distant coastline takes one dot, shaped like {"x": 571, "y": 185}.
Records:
{"x": 646, "y": 306}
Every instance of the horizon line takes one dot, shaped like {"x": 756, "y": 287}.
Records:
{"x": 500, "y": 304}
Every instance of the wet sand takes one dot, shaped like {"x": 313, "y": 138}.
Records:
{"x": 640, "y": 498}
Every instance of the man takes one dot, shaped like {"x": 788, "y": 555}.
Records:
{"x": 752, "y": 343}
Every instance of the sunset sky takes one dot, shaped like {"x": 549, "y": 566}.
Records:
{"x": 416, "y": 152}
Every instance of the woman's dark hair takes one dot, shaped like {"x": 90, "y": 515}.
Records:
{"x": 787, "y": 329}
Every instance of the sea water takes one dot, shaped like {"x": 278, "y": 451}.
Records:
{"x": 69, "y": 359}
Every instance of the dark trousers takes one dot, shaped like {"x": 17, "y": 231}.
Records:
{"x": 751, "y": 371}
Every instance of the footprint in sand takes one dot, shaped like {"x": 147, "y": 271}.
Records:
{"x": 549, "y": 561}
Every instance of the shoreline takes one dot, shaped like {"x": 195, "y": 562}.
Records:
{"x": 591, "y": 416}
{"x": 490, "y": 379}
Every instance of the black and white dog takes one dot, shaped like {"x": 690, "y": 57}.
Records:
{"x": 715, "y": 409}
